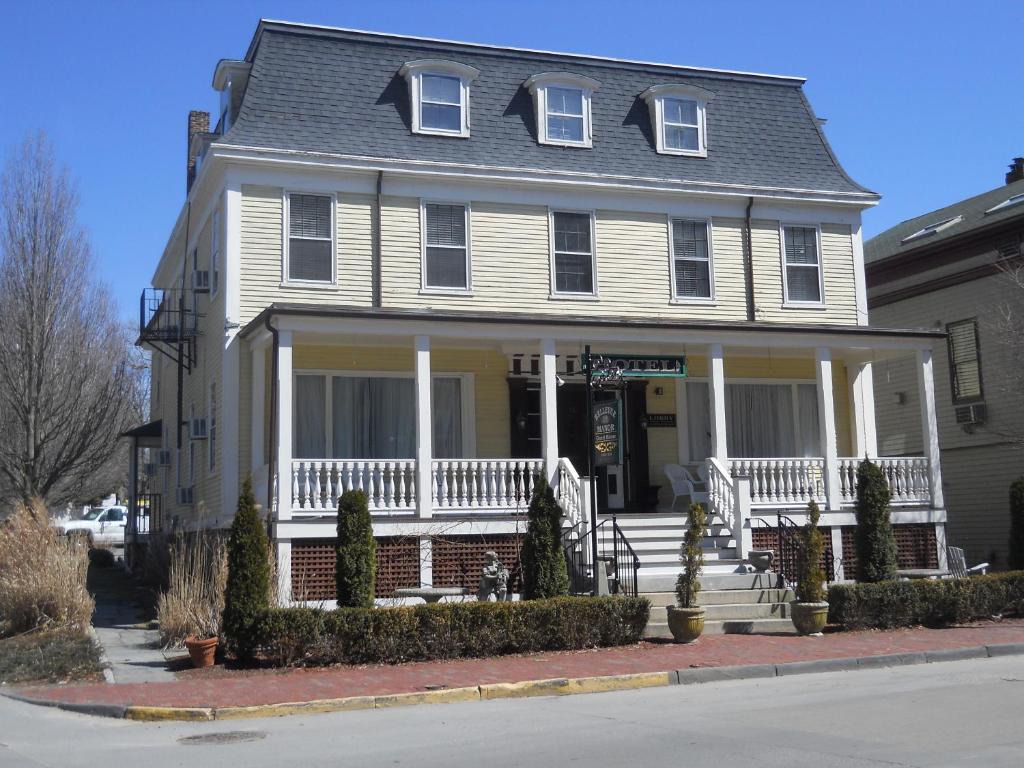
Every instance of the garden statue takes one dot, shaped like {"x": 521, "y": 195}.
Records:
{"x": 493, "y": 580}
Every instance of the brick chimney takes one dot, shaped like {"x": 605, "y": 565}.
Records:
{"x": 198, "y": 122}
{"x": 1016, "y": 172}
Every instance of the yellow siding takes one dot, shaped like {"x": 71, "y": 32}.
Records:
{"x": 510, "y": 263}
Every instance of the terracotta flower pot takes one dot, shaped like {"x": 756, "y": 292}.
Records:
{"x": 685, "y": 624}
{"x": 809, "y": 618}
{"x": 201, "y": 650}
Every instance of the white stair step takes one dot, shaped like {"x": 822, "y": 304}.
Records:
{"x": 709, "y": 597}
{"x": 742, "y": 627}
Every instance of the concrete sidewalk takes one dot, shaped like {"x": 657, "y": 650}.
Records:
{"x": 221, "y": 694}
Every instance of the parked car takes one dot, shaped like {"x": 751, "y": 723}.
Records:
{"x": 100, "y": 525}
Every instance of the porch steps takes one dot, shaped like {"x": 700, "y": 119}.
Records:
{"x": 741, "y": 603}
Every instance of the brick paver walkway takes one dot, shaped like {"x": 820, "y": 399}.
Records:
{"x": 225, "y": 688}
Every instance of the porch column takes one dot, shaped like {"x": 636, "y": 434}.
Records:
{"x": 424, "y": 430}
{"x": 827, "y": 424}
{"x": 929, "y": 425}
{"x": 549, "y": 408}
{"x": 256, "y": 443}
{"x": 862, "y": 396}
{"x": 284, "y": 425}
{"x": 716, "y": 391}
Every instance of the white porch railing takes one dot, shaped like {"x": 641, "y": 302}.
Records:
{"x": 782, "y": 482}
{"x": 721, "y": 492}
{"x": 908, "y": 479}
{"x": 390, "y": 484}
{"x": 483, "y": 483}
{"x": 569, "y": 491}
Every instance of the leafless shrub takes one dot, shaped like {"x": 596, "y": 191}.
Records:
{"x": 42, "y": 575}
{"x": 194, "y": 601}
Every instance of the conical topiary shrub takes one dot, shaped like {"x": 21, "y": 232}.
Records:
{"x": 544, "y": 570}
{"x": 248, "y": 586}
{"x": 692, "y": 557}
{"x": 356, "y": 554}
{"x": 810, "y": 585}
{"x": 1016, "y": 555}
{"x": 876, "y": 545}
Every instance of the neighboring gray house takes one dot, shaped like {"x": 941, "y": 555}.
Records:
{"x": 947, "y": 270}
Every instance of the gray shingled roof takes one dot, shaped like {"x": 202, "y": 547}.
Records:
{"x": 890, "y": 242}
{"x": 339, "y": 92}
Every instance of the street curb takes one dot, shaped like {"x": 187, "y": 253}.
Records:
{"x": 108, "y": 668}
{"x": 559, "y": 686}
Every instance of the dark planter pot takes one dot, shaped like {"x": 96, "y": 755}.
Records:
{"x": 201, "y": 650}
{"x": 685, "y": 624}
{"x": 809, "y": 618}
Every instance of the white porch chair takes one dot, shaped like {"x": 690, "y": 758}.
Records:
{"x": 683, "y": 484}
{"x": 958, "y": 564}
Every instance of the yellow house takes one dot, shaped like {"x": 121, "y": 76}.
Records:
{"x": 395, "y": 252}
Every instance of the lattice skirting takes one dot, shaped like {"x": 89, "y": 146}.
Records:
{"x": 767, "y": 538}
{"x": 398, "y": 565}
{"x": 916, "y": 547}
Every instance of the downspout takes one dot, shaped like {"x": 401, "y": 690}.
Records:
{"x": 272, "y": 460}
{"x": 181, "y": 330}
{"x": 748, "y": 261}
{"x": 377, "y": 230}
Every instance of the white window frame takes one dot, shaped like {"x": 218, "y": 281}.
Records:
{"x": 215, "y": 240}
{"x": 434, "y": 289}
{"x": 538, "y": 86}
{"x": 673, "y": 296}
{"x": 796, "y": 303}
{"x": 656, "y": 95}
{"x": 286, "y": 239}
{"x": 212, "y": 465}
{"x": 414, "y": 71}
{"x": 467, "y": 394}
{"x": 573, "y": 295}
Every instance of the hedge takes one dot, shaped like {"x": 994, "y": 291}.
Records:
{"x": 933, "y": 603}
{"x": 311, "y": 636}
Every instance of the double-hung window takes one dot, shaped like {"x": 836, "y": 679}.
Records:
{"x": 801, "y": 265}
{"x": 439, "y": 96}
{"x": 573, "y": 258}
{"x": 679, "y": 118}
{"x": 562, "y": 102}
{"x": 681, "y": 125}
{"x": 565, "y": 115}
{"x": 691, "y": 260}
{"x": 310, "y": 238}
{"x": 446, "y": 247}
{"x": 964, "y": 361}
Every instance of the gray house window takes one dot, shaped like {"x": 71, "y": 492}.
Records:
{"x": 310, "y": 238}
{"x": 691, "y": 259}
{"x": 574, "y": 253}
{"x": 803, "y": 264}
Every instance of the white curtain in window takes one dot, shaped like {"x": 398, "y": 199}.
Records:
{"x": 759, "y": 420}
{"x": 809, "y": 439}
{"x": 310, "y": 422}
{"x": 350, "y": 429}
{"x": 447, "y": 405}
{"x": 698, "y": 420}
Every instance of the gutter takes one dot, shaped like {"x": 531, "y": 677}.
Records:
{"x": 748, "y": 262}
{"x": 377, "y": 234}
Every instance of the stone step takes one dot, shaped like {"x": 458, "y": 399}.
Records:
{"x": 735, "y": 612}
{"x": 731, "y": 575}
{"x": 725, "y": 597}
{"x": 659, "y": 629}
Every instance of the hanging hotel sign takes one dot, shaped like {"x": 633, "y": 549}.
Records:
{"x": 638, "y": 366}
{"x": 607, "y": 433}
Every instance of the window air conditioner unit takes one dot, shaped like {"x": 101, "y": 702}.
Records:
{"x": 971, "y": 414}
{"x": 163, "y": 458}
{"x": 197, "y": 429}
{"x": 185, "y": 495}
{"x": 201, "y": 281}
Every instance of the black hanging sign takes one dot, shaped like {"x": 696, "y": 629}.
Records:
{"x": 607, "y": 433}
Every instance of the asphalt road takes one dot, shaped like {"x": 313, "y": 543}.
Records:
{"x": 943, "y": 714}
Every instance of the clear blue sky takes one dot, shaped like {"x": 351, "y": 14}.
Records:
{"x": 923, "y": 100}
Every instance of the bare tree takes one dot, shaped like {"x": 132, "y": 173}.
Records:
{"x": 67, "y": 388}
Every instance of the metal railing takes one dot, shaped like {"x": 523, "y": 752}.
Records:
{"x": 167, "y": 315}
{"x": 146, "y": 516}
{"x": 614, "y": 553}
{"x": 789, "y": 549}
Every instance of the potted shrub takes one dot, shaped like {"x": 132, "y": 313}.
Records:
{"x": 809, "y": 610}
{"x": 686, "y": 620}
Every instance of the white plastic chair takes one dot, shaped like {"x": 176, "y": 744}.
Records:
{"x": 683, "y": 484}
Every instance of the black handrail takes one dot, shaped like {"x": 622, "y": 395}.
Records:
{"x": 789, "y": 549}
{"x": 624, "y": 562}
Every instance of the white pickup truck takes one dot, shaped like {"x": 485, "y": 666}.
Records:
{"x": 100, "y": 525}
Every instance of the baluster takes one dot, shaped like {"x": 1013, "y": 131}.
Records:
{"x": 329, "y": 486}
{"x": 489, "y": 482}
{"x": 502, "y": 484}
{"x": 296, "y": 494}
{"x": 401, "y": 495}
{"x": 442, "y": 490}
{"x": 461, "y": 482}
{"x": 387, "y": 479}
{"x": 315, "y": 490}
{"x": 531, "y": 481}
{"x": 474, "y": 499}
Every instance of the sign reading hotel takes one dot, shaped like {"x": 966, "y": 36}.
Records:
{"x": 607, "y": 433}
{"x": 639, "y": 366}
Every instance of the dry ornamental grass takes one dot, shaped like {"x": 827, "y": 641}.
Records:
{"x": 42, "y": 576}
{"x": 194, "y": 601}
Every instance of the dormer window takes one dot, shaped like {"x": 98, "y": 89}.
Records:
{"x": 439, "y": 96}
{"x": 562, "y": 103}
{"x": 679, "y": 119}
